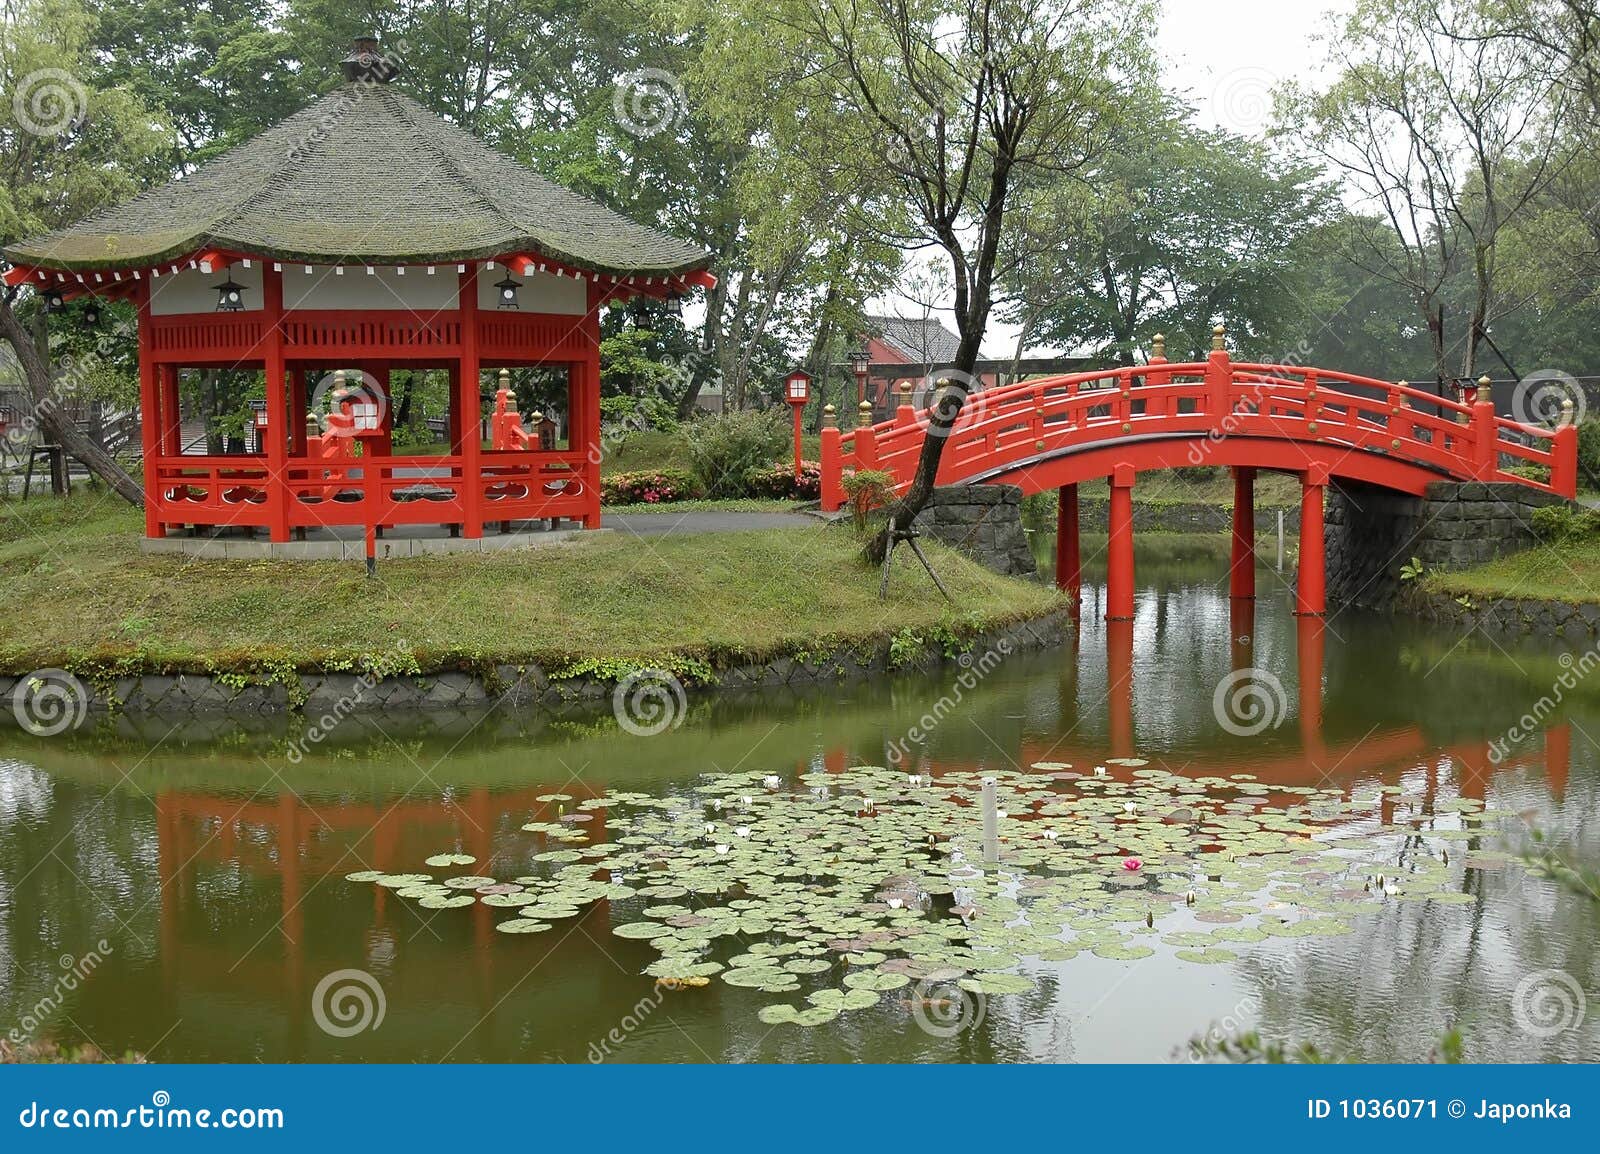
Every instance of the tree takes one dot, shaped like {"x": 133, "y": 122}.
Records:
{"x": 1170, "y": 230}
{"x": 67, "y": 148}
{"x": 945, "y": 106}
{"x": 1447, "y": 133}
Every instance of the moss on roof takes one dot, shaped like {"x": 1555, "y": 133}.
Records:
{"x": 363, "y": 175}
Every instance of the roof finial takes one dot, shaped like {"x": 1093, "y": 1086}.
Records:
{"x": 367, "y": 65}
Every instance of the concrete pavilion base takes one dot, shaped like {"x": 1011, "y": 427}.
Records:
{"x": 349, "y": 544}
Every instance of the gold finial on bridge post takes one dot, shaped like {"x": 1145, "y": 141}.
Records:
{"x": 830, "y": 417}
{"x": 1218, "y": 337}
{"x": 1158, "y": 347}
{"x": 863, "y": 414}
{"x": 1567, "y": 410}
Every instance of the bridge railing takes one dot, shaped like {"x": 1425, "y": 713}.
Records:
{"x": 1204, "y": 402}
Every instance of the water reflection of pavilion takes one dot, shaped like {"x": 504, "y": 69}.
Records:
{"x": 304, "y": 843}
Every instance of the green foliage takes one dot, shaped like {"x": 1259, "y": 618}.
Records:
{"x": 622, "y": 415}
{"x": 1411, "y": 570}
{"x": 904, "y": 648}
{"x": 866, "y": 490}
{"x": 1196, "y": 474}
{"x": 652, "y": 487}
{"x": 1565, "y": 525}
{"x": 723, "y": 449}
{"x": 687, "y": 669}
{"x": 1589, "y": 454}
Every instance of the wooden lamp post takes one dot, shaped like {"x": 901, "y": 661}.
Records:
{"x": 797, "y": 391}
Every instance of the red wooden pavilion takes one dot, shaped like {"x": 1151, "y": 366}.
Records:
{"x": 364, "y": 234}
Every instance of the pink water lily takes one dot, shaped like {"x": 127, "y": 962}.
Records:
{"x": 1132, "y": 863}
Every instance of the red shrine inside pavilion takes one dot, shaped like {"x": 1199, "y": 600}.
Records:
{"x": 362, "y": 235}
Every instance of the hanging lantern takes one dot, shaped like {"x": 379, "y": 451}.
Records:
{"x": 91, "y": 313}
{"x": 53, "y": 302}
{"x": 230, "y": 296}
{"x": 508, "y": 293}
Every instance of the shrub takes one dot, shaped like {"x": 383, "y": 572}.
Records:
{"x": 867, "y": 490}
{"x": 1589, "y": 454}
{"x": 649, "y": 487}
{"x": 723, "y": 449}
{"x": 1195, "y": 474}
{"x": 1562, "y": 524}
{"x": 620, "y": 416}
{"x": 779, "y": 482}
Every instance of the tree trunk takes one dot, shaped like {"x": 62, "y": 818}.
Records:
{"x": 32, "y": 353}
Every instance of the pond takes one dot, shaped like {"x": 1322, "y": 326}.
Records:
{"x": 183, "y": 889}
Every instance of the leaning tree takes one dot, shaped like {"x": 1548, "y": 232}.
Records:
{"x": 943, "y": 107}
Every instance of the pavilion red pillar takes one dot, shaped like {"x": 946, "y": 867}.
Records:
{"x": 471, "y": 410}
{"x": 171, "y": 433}
{"x": 1242, "y": 569}
{"x": 587, "y": 432}
{"x": 297, "y": 412}
{"x": 1311, "y": 587}
{"x": 1119, "y": 552}
{"x": 1069, "y": 558}
{"x": 278, "y": 492}
{"x": 149, "y": 418}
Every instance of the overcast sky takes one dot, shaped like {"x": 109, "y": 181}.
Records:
{"x": 1226, "y": 56}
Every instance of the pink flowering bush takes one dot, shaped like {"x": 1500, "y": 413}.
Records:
{"x": 648, "y": 487}
{"x": 777, "y": 481}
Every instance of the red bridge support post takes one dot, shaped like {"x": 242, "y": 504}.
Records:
{"x": 1119, "y": 552}
{"x": 1069, "y": 561}
{"x": 1242, "y": 569}
{"x": 1311, "y": 588}
{"x": 832, "y": 467}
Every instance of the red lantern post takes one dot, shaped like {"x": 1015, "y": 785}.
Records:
{"x": 797, "y": 391}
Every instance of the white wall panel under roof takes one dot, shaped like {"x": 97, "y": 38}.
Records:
{"x": 193, "y": 291}
{"x": 383, "y": 288}
{"x": 541, "y": 292}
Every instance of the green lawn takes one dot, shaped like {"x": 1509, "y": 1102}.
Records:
{"x": 1565, "y": 572}
{"x": 77, "y": 589}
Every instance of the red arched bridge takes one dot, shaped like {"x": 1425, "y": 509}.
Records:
{"x": 1053, "y": 432}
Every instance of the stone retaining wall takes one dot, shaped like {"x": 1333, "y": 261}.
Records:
{"x": 984, "y": 522}
{"x": 1373, "y": 532}
{"x": 341, "y": 694}
{"x": 1094, "y": 516}
{"x": 1509, "y": 616}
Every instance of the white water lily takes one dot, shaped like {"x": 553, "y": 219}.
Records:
{"x": 742, "y": 831}
{"x": 772, "y": 781}
{"x": 1051, "y": 834}
{"x": 746, "y": 800}
{"x": 914, "y": 780}
{"x": 1099, "y": 771}
{"x": 711, "y": 827}
{"x": 1391, "y": 889}
{"x": 1129, "y": 807}
{"x": 896, "y": 903}
{"x": 722, "y": 849}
